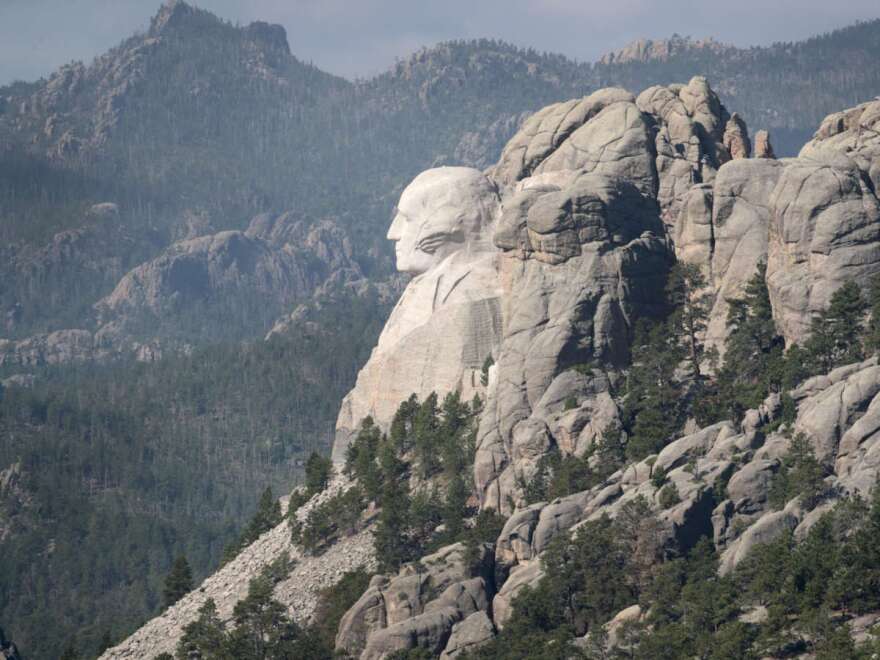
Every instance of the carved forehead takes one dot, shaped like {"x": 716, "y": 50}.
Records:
{"x": 452, "y": 187}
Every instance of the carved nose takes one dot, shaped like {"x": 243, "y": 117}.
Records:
{"x": 396, "y": 228}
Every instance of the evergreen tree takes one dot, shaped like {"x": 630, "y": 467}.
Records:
{"x": 652, "y": 408}
{"x": 801, "y": 475}
{"x": 361, "y": 455}
{"x": 872, "y": 328}
{"x": 391, "y": 536}
{"x": 835, "y": 334}
{"x": 691, "y": 303}
{"x": 401, "y": 431}
{"x": 425, "y": 432}
{"x": 610, "y": 452}
{"x": 267, "y": 517}
{"x": 319, "y": 470}
{"x": 855, "y": 586}
{"x": 455, "y": 506}
{"x": 203, "y": 638}
{"x": 753, "y": 358}
{"x": 178, "y": 583}
{"x": 70, "y": 652}
{"x": 263, "y": 631}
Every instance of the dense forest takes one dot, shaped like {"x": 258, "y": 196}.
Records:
{"x": 112, "y": 472}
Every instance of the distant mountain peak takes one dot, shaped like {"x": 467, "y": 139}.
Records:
{"x": 170, "y": 14}
{"x": 647, "y": 50}
{"x": 271, "y": 34}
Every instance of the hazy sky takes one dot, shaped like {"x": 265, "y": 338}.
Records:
{"x": 362, "y": 37}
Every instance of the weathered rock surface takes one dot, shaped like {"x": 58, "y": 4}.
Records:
{"x": 592, "y": 185}
{"x": 646, "y": 50}
{"x": 763, "y": 148}
{"x": 448, "y": 320}
{"x": 59, "y": 347}
{"x": 737, "y": 235}
{"x": 825, "y": 231}
{"x": 468, "y": 635}
{"x": 420, "y": 606}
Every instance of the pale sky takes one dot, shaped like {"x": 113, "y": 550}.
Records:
{"x": 363, "y": 37}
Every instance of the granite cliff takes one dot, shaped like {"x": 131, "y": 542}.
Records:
{"x": 567, "y": 242}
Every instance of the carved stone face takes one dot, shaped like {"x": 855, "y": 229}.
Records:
{"x": 443, "y": 210}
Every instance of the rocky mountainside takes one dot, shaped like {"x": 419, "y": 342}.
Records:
{"x": 198, "y": 188}
{"x": 609, "y": 204}
{"x": 647, "y": 50}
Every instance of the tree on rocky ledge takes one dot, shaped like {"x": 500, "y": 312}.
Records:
{"x": 319, "y": 470}
{"x": 178, "y": 582}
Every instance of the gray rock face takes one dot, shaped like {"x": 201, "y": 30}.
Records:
{"x": 592, "y": 186}
{"x": 736, "y": 138}
{"x": 419, "y": 607}
{"x": 469, "y": 635}
{"x": 813, "y": 220}
{"x": 825, "y": 230}
{"x": 544, "y": 131}
{"x": 448, "y": 320}
{"x": 763, "y": 148}
{"x": 59, "y": 347}
{"x": 739, "y": 234}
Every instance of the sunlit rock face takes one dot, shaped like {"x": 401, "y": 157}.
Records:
{"x": 448, "y": 320}
{"x": 583, "y": 257}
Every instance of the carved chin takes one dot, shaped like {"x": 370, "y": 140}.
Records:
{"x": 415, "y": 262}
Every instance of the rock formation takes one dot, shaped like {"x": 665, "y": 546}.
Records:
{"x": 648, "y": 50}
{"x": 585, "y": 233}
{"x": 545, "y": 264}
{"x": 448, "y": 320}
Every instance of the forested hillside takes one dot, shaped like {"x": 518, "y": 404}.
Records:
{"x": 124, "y": 177}
{"x": 111, "y": 472}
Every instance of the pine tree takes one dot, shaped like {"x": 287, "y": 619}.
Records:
{"x": 455, "y": 506}
{"x": 262, "y": 628}
{"x": 872, "y": 329}
{"x": 391, "y": 537}
{"x": 610, "y": 452}
{"x": 319, "y": 470}
{"x": 178, "y": 582}
{"x": 401, "y": 430}
{"x": 652, "y": 409}
{"x": 361, "y": 456}
{"x": 691, "y": 302}
{"x": 203, "y": 638}
{"x": 70, "y": 652}
{"x": 425, "y": 432}
{"x": 835, "y": 334}
{"x": 753, "y": 358}
{"x": 267, "y": 517}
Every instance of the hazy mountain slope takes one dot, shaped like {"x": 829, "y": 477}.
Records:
{"x": 198, "y": 125}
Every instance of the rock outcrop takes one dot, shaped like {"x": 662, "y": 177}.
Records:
{"x": 422, "y": 607}
{"x": 448, "y": 320}
{"x": 813, "y": 220}
{"x": 648, "y": 50}
{"x": 591, "y": 187}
